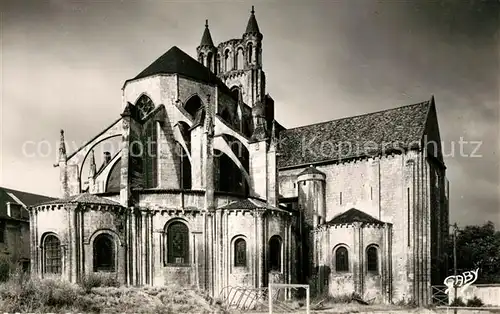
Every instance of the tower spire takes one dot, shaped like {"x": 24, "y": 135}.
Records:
{"x": 252, "y": 26}
{"x": 62, "y": 148}
{"x": 206, "y": 39}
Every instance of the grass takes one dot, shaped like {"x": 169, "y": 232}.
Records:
{"x": 97, "y": 294}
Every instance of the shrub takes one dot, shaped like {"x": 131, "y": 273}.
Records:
{"x": 6, "y": 267}
{"x": 95, "y": 280}
{"x": 458, "y": 302}
{"x": 475, "y": 302}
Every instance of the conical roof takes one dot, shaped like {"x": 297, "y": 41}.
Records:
{"x": 252, "y": 26}
{"x": 206, "y": 39}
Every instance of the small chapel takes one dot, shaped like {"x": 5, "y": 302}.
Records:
{"x": 208, "y": 189}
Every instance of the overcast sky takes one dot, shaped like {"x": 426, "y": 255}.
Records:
{"x": 63, "y": 65}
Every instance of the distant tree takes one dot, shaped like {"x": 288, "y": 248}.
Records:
{"x": 478, "y": 247}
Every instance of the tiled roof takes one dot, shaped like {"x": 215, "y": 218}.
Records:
{"x": 176, "y": 61}
{"x": 27, "y": 199}
{"x": 206, "y": 39}
{"x": 353, "y": 215}
{"x": 84, "y": 198}
{"x": 352, "y": 137}
{"x": 248, "y": 203}
{"x": 311, "y": 170}
{"x": 252, "y": 26}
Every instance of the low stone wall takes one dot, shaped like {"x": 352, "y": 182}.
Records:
{"x": 488, "y": 293}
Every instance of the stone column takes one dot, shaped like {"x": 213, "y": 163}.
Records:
{"x": 260, "y": 248}
{"x": 144, "y": 252}
{"x": 151, "y": 248}
{"x": 133, "y": 247}
{"x": 71, "y": 248}
{"x": 32, "y": 241}
{"x": 124, "y": 176}
{"x": 357, "y": 260}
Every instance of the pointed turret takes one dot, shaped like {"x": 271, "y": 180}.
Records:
{"x": 252, "y": 26}
{"x": 92, "y": 173}
{"x": 274, "y": 136}
{"x": 206, "y": 51}
{"x": 62, "y": 148}
{"x": 206, "y": 39}
{"x": 92, "y": 165}
{"x": 63, "y": 164}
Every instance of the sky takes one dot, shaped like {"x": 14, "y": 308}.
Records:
{"x": 63, "y": 64}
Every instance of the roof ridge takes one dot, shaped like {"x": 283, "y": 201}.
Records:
{"x": 15, "y": 190}
{"x": 359, "y": 115}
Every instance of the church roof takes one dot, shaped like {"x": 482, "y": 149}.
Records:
{"x": 353, "y": 215}
{"x": 176, "y": 61}
{"x": 249, "y": 203}
{"x": 311, "y": 170}
{"x": 206, "y": 39}
{"x": 84, "y": 198}
{"x": 19, "y": 197}
{"x": 359, "y": 136}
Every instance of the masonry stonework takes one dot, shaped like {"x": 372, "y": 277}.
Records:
{"x": 224, "y": 195}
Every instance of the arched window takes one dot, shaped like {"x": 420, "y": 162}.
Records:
{"x": 209, "y": 60}
{"x": 258, "y": 54}
{"x": 235, "y": 91}
{"x": 104, "y": 253}
{"x": 250, "y": 53}
{"x": 145, "y": 105}
{"x": 200, "y": 58}
{"x": 372, "y": 258}
{"x": 341, "y": 259}
{"x": 52, "y": 255}
{"x": 193, "y": 105}
{"x": 177, "y": 243}
{"x": 239, "y": 59}
{"x": 275, "y": 253}
{"x": 240, "y": 253}
{"x": 217, "y": 64}
{"x": 185, "y": 168}
{"x": 227, "y": 65}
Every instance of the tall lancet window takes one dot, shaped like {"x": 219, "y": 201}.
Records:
{"x": 250, "y": 53}
{"x": 177, "y": 243}
{"x": 240, "y": 253}
{"x": 227, "y": 64}
{"x": 104, "y": 253}
{"x": 217, "y": 69}
{"x": 239, "y": 59}
{"x": 209, "y": 60}
{"x": 372, "y": 259}
{"x": 341, "y": 259}
{"x": 52, "y": 255}
{"x": 275, "y": 245}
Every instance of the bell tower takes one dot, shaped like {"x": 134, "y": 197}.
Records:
{"x": 252, "y": 41}
{"x": 206, "y": 51}
{"x": 238, "y": 62}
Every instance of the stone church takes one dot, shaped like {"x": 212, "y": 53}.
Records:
{"x": 210, "y": 190}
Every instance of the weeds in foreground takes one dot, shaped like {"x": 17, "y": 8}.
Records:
{"x": 97, "y": 294}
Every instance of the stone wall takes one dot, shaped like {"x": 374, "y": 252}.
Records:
{"x": 395, "y": 189}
